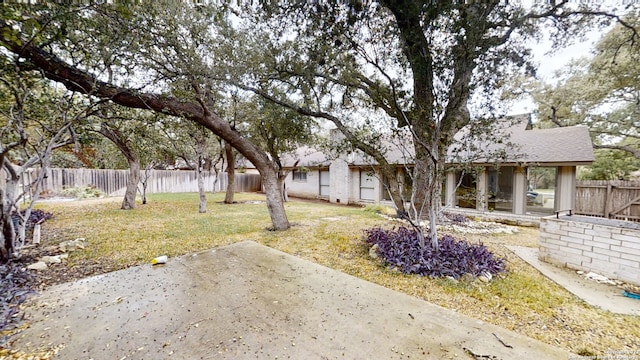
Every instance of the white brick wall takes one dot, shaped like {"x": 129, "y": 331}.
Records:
{"x": 611, "y": 251}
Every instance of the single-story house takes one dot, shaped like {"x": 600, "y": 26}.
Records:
{"x": 501, "y": 179}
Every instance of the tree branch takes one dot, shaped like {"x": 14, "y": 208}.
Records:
{"x": 634, "y": 151}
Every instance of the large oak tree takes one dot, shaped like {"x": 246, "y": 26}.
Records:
{"x": 420, "y": 63}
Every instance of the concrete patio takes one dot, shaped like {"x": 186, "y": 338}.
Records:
{"x": 248, "y": 301}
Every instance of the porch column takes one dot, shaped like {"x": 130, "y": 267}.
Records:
{"x": 482, "y": 189}
{"x": 565, "y": 188}
{"x": 519, "y": 195}
{"x": 450, "y": 190}
{"x": 339, "y": 182}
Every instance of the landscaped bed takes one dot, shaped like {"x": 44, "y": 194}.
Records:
{"x": 520, "y": 299}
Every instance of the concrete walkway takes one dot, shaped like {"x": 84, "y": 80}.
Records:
{"x": 604, "y": 296}
{"x": 247, "y": 301}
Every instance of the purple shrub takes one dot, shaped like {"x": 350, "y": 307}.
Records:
{"x": 16, "y": 284}
{"x": 401, "y": 248}
{"x": 37, "y": 216}
{"x": 457, "y": 218}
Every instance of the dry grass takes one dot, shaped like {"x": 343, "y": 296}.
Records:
{"x": 523, "y": 300}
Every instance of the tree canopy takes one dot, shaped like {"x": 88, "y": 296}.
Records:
{"x": 603, "y": 93}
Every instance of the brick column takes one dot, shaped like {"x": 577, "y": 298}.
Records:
{"x": 519, "y": 195}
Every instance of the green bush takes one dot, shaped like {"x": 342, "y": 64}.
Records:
{"x": 82, "y": 192}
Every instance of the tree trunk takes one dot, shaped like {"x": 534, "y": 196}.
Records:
{"x": 8, "y": 235}
{"x": 231, "y": 174}
{"x": 426, "y": 193}
{"x": 274, "y": 198}
{"x": 7, "y": 228}
{"x": 283, "y": 187}
{"x": 389, "y": 171}
{"x": 145, "y": 183}
{"x": 202, "y": 206}
{"x": 129, "y": 201}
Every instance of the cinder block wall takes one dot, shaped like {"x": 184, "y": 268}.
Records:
{"x": 612, "y": 251}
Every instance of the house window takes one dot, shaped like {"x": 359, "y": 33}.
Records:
{"x": 300, "y": 176}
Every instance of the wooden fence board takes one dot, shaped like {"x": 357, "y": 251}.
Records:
{"x": 114, "y": 182}
{"x": 616, "y": 199}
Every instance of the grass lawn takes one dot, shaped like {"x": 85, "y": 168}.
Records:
{"x": 331, "y": 235}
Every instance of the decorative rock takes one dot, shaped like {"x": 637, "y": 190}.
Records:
{"x": 40, "y": 265}
{"x": 50, "y": 259}
{"x": 485, "y": 276}
{"x": 599, "y": 278}
{"x": 373, "y": 252}
{"x": 71, "y": 245}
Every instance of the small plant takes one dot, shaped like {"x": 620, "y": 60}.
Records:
{"x": 37, "y": 217}
{"x": 457, "y": 218}
{"x": 82, "y": 192}
{"x": 401, "y": 248}
{"x": 379, "y": 209}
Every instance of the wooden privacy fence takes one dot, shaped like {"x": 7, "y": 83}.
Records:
{"x": 114, "y": 182}
{"x": 615, "y": 199}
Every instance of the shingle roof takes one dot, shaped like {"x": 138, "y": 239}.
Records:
{"x": 558, "y": 145}
{"x": 521, "y": 144}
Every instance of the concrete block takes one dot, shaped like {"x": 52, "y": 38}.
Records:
{"x": 573, "y": 266}
{"x": 581, "y": 246}
{"x": 628, "y": 238}
{"x": 610, "y": 229}
{"x": 574, "y": 259}
{"x": 631, "y": 257}
{"x": 612, "y": 254}
{"x": 631, "y": 244}
{"x": 631, "y": 232}
{"x": 633, "y": 264}
{"x": 581, "y": 236}
{"x": 630, "y": 275}
{"x": 607, "y": 240}
{"x": 559, "y": 243}
{"x": 549, "y": 225}
{"x": 593, "y": 255}
{"x": 605, "y": 268}
{"x": 598, "y": 244}
{"x": 599, "y": 231}
{"x": 556, "y": 231}
{"x": 549, "y": 236}
{"x": 549, "y": 246}
{"x": 570, "y": 228}
{"x": 569, "y": 250}
{"x": 626, "y": 250}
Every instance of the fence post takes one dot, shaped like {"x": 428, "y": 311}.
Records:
{"x": 607, "y": 200}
